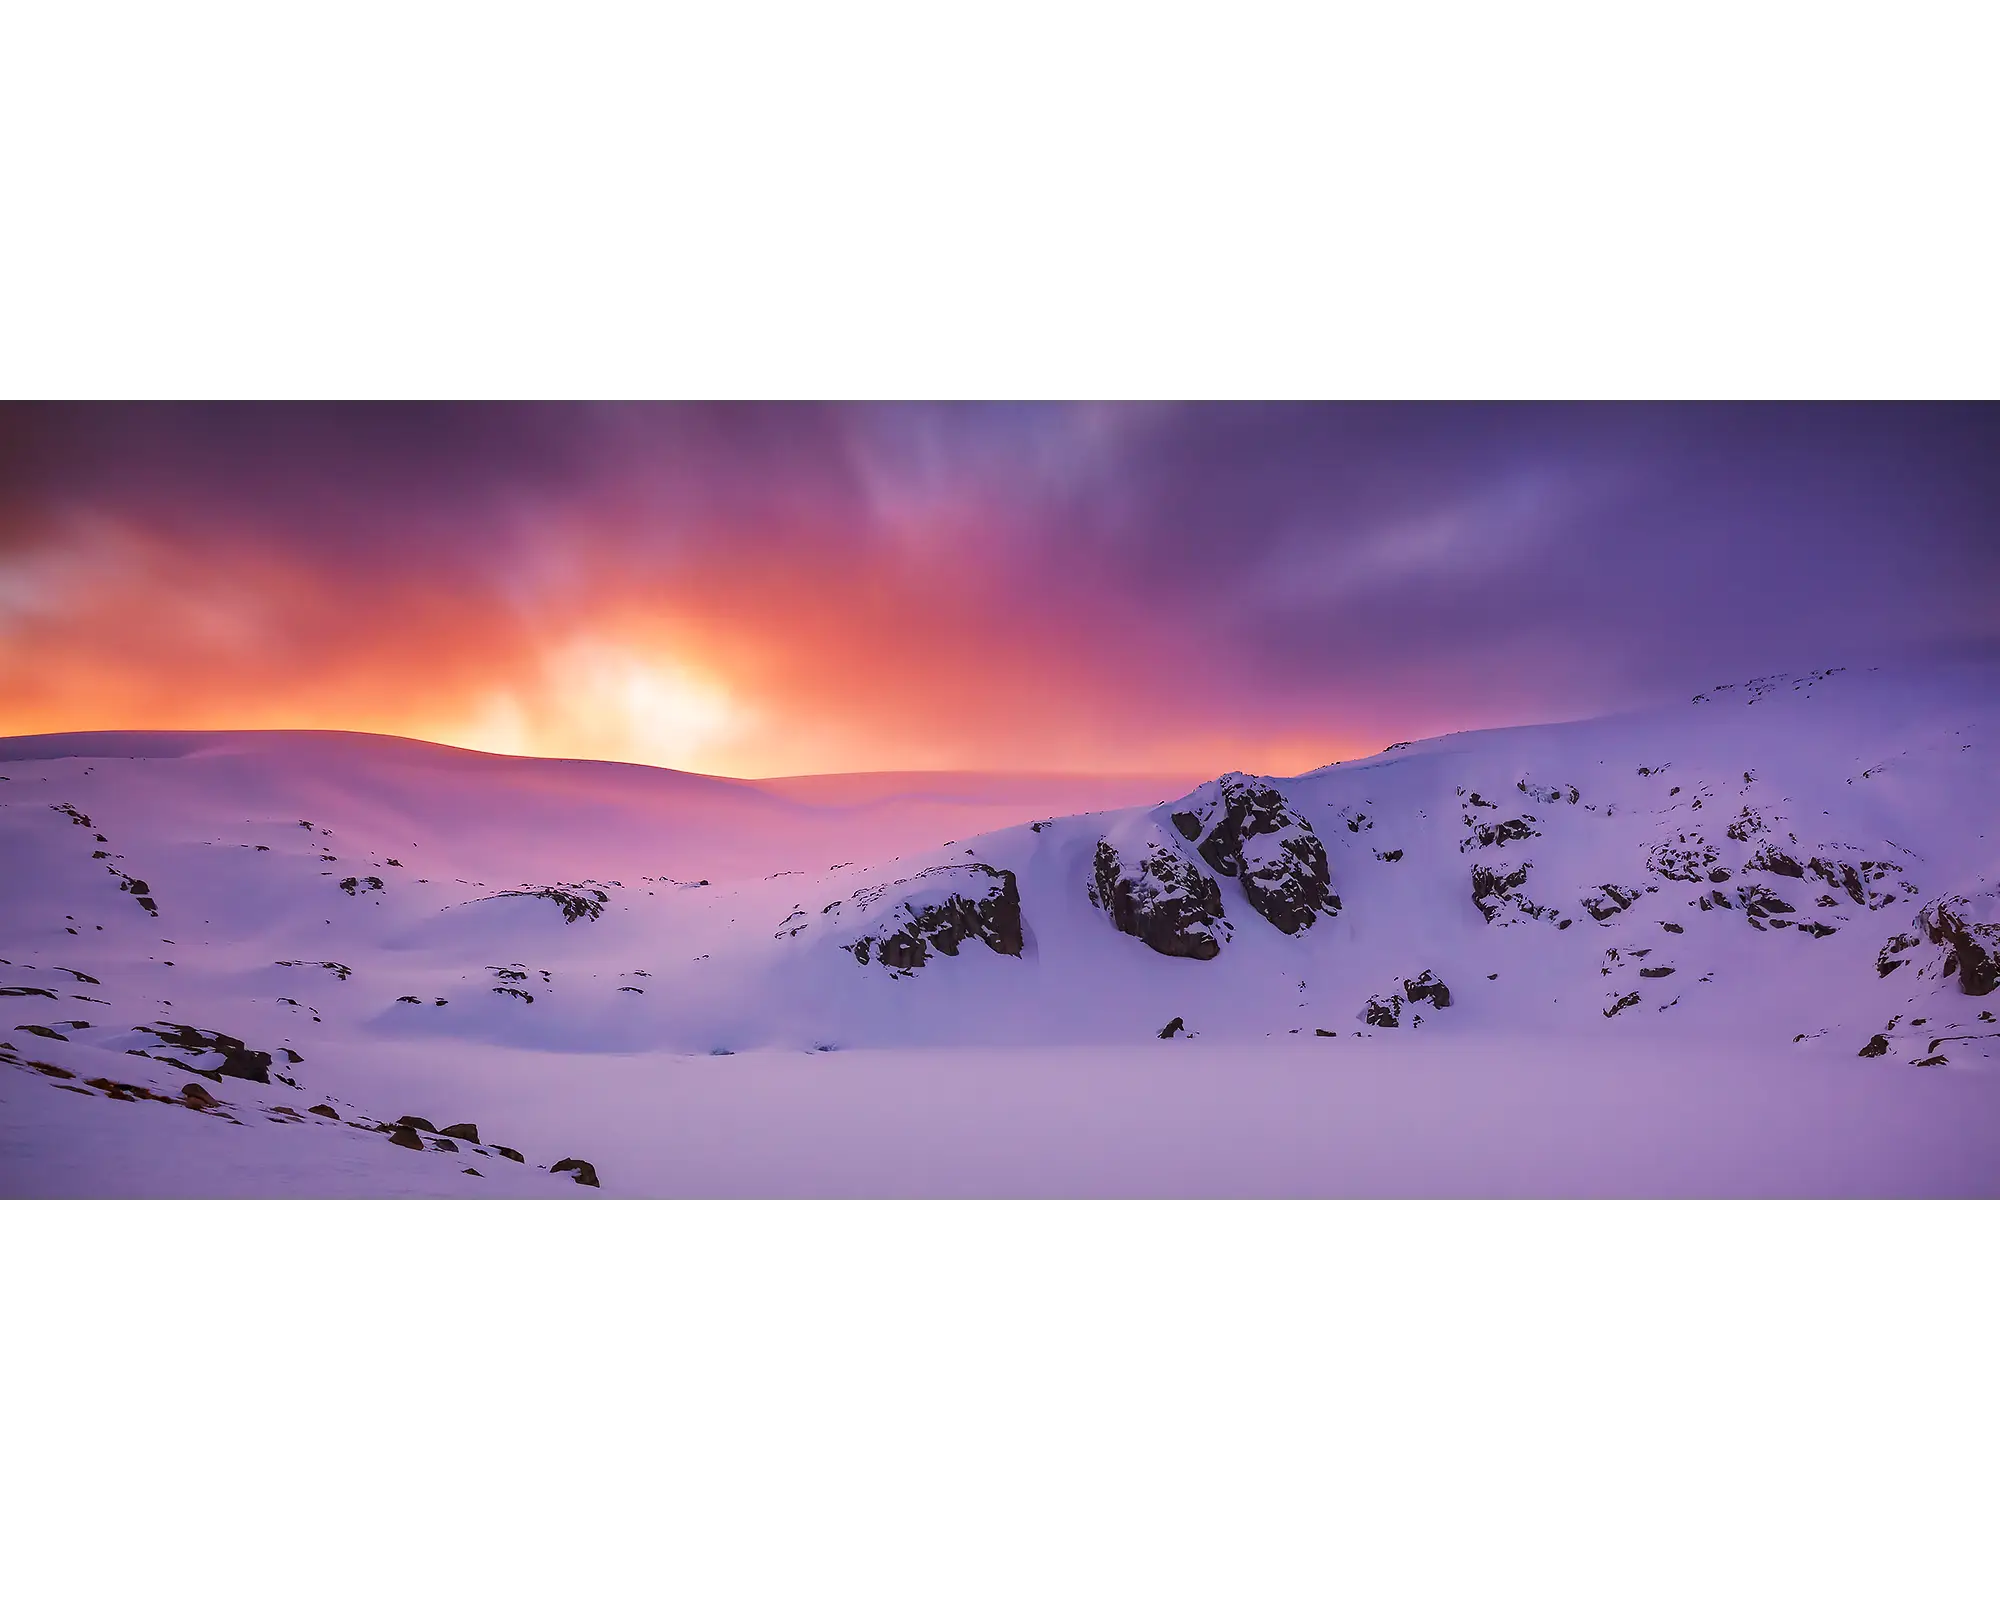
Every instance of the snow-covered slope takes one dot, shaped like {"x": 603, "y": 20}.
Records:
{"x": 1801, "y": 867}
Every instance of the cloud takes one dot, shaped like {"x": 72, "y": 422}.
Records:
{"x": 759, "y": 589}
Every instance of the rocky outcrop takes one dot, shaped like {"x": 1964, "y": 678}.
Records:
{"x": 1891, "y": 956}
{"x": 1610, "y": 899}
{"x": 939, "y": 910}
{"x": 1972, "y": 948}
{"x": 1499, "y": 898}
{"x": 583, "y": 1171}
{"x": 1488, "y": 835}
{"x": 1244, "y": 828}
{"x": 1686, "y": 858}
{"x": 1769, "y": 858}
{"x": 1152, "y": 891}
{"x": 1759, "y": 901}
{"x": 578, "y": 902}
{"x": 235, "y": 1059}
{"x": 1426, "y": 989}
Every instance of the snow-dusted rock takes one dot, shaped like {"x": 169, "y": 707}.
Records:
{"x": 1426, "y": 989}
{"x": 937, "y": 911}
{"x": 1143, "y": 879}
{"x": 1499, "y": 898}
{"x": 1972, "y": 945}
{"x": 1245, "y": 829}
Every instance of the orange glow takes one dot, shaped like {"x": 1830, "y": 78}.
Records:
{"x": 811, "y": 663}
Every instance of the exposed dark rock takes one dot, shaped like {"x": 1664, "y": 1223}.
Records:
{"x": 1759, "y": 901}
{"x": 1244, "y": 828}
{"x": 510, "y": 1154}
{"x": 1172, "y": 1028}
{"x": 339, "y": 969}
{"x": 238, "y": 1060}
{"x": 322, "y": 1111}
{"x": 1159, "y": 896}
{"x": 584, "y": 1171}
{"x": 1656, "y": 972}
{"x": 461, "y": 1130}
{"x": 472, "y": 1172}
{"x": 1842, "y": 875}
{"x": 1610, "y": 899}
{"x": 444, "y": 1144}
{"x": 1932, "y": 1061}
{"x": 1621, "y": 1003}
{"x": 1687, "y": 858}
{"x": 195, "y": 1095}
{"x": 940, "y": 909}
{"x": 1672, "y": 927}
{"x": 1383, "y": 1012}
{"x": 418, "y": 1123}
{"x": 1486, "y": 835}
{"x": 1973, "y": 948}
{"x": 43, "y": 1031}
{"x": 1876, "y": 1046}
{"x": 576, "y": 901}
{"x": 518, "y": 994}
{"x": 1388, "y": 855}
{"x": 1891, "y": 955}
{"x": 1427, "y": 987}
{"x": 1497, "y": 894}
{"x": 1773, "y": 860}
{"x": 24, "y": 991}
{"x": 407, "y": 1138}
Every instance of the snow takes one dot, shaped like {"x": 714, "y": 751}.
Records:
{"x": 1626, "y": 1023}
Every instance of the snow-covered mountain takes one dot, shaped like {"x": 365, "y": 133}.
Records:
{"x": 303, "y": 938}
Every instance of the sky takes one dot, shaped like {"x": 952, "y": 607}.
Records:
{"x": 757, "y": 590}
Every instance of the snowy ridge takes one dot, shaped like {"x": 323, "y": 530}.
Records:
{"x": 1804, "y": 865}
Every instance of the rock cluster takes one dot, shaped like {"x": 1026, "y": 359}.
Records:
{"x": 1245, "y": 829}
{"x": 1386, "y": 1011}
{"x": 939, "y": 910}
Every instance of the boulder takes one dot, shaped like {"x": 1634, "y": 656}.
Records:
{"x": 408, "y": 1138}
{"x": 467, "y": 1131}
{"x": 1172, "y": 1028}
{"x": 1427, "y": 988}
{"x": 584, "y": 1172}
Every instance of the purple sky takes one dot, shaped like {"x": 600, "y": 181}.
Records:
{"x": 755, "y": 589}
